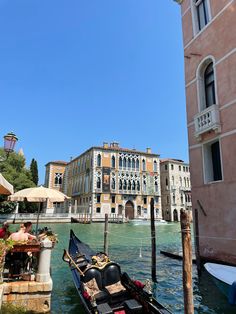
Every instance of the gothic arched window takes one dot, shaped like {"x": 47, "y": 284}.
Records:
{"x": 113, "y": 161}
{"x": 98, "y": 182}
{"x": 129, "y": 185}
{"x": 113, "y": 183}
{"x": 155, "y": 166}
{"x": 143, "y": 165}
{"x": 138, "y": 185}
{"x": 120, "y": 162}
{"x": 209, "y": 84}
{"x": 99, "y": 159}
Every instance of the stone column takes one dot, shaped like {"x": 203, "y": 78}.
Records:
{"x": 76, "y": 207}
{"x": 43, "y": 273}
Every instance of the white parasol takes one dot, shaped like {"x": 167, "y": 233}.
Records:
{"x": 5, "y": 187}
{"x": 39, "y": 195}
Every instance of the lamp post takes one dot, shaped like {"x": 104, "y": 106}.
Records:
{"x": 10, "y": 140}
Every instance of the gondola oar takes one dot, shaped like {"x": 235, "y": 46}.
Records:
{"x": 72, "y": 261}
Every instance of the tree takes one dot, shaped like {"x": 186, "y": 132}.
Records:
{"x": 15, "y": 171}
{"x": 34, "y": 171}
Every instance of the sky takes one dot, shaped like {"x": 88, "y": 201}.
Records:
{"x": 75, "y": 74}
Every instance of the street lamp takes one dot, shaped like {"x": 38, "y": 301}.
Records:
{"x": 10, "y": 140}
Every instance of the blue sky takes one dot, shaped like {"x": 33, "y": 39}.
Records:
{"x": 76, "y": 73}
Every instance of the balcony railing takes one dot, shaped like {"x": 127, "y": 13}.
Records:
{"x": 185, "y": 189}
{"x": 134, "y": 192}
{"x": 206, "y": 120}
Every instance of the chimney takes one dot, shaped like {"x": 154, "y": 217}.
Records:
{"x": 114, "y": 145}
{"x": 149, "y": 151}
{"x": 105, "y": 145}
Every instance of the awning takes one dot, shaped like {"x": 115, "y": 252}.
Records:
{"x": 5, "y": 187}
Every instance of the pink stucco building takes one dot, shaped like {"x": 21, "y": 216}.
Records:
{"x": 209, "y": 39}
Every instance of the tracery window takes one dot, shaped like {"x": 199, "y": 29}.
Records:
{"x": 113, "y": 161}
{"x": 129, "y": 185}
{"x": 144, "y": 186}
{"x": 58, "y": 178}
{"x": 129, "y": 163}
{"x": 133, "y": 164}
{"x": 113, "y": 183}
{"x": 138, "y": 185}
{"x": 98, "y": 182}
{"x": 156, "y": 187}
{"x": 120, "y": 162}
{"x": 155, "y": 166}
{"x": 143, "y": 165}
{"x": 133, "y": 185}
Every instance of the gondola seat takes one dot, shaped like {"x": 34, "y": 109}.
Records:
{"x": 132, "y": 306}
{"x": 112, "y": 283}
{"x": 92, "y": 284}
{"x": 104, "y": 308}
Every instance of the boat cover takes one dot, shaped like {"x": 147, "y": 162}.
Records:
{"x": 225, "y": 273}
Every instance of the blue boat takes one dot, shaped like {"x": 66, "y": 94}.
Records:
{"x": 224, "y": 277}
{"x": 101, "y": 285}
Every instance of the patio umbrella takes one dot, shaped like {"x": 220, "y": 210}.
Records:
{"x": 38, "y": 195}
{"x": 5, "y": 187}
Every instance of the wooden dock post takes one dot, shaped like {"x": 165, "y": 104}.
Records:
{"x": 153, "y": 236}
{"x": 187, "y": 262}
{"x": 106, "y": 235}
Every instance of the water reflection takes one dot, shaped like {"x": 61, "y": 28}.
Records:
{"x": 125, "y": 244}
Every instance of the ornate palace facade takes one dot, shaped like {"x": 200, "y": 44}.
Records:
{"x": 115, "y": 181}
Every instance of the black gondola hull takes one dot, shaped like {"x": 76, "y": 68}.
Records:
{"x": 132, "y": 299}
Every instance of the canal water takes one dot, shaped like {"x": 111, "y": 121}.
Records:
{"x": 130, "y": 245}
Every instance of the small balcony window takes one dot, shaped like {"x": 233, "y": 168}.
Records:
{"x": 212, "y": 162}
{"x": 202, "y": 13}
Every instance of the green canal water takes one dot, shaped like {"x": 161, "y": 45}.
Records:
{"x": 131, "y": 246}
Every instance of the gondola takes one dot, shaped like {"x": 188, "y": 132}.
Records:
{"x": 80, "y": 221}
{"x": 102, "y": 287}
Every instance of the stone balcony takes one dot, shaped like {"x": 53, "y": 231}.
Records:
{"x": 207, "y": 120}
{"x": 185, "y": 189}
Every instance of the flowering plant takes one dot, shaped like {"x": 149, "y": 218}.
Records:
{"x": 139, "y": 284}
{"x": 5, "y": 246}
{"x": 86, "y": 295}
{"x": 49, "y": 234}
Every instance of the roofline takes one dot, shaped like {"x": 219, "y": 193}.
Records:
{"x": 179, "y": 161}
{"x": 57, "y": 163}
{"x": 118, "y": 149}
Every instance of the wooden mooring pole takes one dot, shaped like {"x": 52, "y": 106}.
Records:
{"x": 187, "y": 262}
{"x": 153, "y": 236}
{"x": 106, "y": 235}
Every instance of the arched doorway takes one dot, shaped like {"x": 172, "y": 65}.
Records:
{"x": 175, "y": 215}
{"x": 129, "y": 210}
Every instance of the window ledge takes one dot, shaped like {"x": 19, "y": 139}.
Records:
{"x": 213, "y": 182}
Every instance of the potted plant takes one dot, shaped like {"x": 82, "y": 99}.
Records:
{"x": 5, "y": 246}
